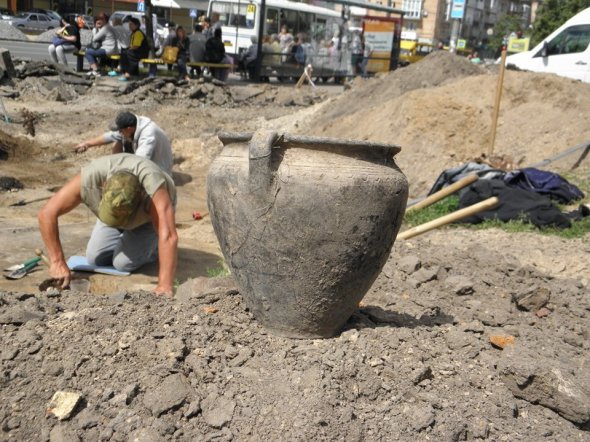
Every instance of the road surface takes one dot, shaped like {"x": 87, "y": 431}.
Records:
{"x": 33, "y": 51}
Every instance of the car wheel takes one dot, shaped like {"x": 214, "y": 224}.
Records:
{"x": 20, "y": 26}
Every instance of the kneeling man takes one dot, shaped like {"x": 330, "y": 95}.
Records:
{"x": 134, "y": 201}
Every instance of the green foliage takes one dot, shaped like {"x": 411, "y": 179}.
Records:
{"x": 552, "y": 14}
{"x": 506, "y": 25}
{"x": 441, "y": 208}
{"x": 220, "y": 270}
{"x": 450, "y": 204}
{"x": 577, "y": 230}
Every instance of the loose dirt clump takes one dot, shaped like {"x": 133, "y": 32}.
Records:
{"x": 415, "y": 361}
{"x": 440, "y": 111}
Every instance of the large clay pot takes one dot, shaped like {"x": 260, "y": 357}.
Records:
{"x": 305, "y": 224}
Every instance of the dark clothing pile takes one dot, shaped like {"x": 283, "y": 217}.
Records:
{"x": 454, "y": 174}
{"x": 524, "y": 194}
{"x": 515, "y": 204}
{"x": 544, "y": 183}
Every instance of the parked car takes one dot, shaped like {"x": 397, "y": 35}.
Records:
{"x": 34, "y": 21}
{"x": 50, "y": 13}
{"x": 89, "y": 20}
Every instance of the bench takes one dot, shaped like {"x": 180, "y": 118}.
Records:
{"x": 152, "y": 62}
{"x": 80, "y": 59}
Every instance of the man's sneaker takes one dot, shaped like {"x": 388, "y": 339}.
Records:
{"x": 97, "y": 74}
{"x": 113, "y": 74}
{"x": 90, "y": 73}
{"x": 123, "y": 78}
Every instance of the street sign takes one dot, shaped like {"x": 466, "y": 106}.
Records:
{"x": 140, "y": 6}
{"x": 457, "y": 9}
{"x": 461, "y": 43}
{"x": 193, "y": 13}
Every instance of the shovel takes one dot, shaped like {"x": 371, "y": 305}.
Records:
{"x": 20, "y": 266}
{"x": 23, "y": 269}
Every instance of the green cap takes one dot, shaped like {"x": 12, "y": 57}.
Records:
{"x": 120, "y": 198}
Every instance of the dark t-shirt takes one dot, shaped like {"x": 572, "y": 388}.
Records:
{"x": 73, "y": 31}
{"x": 214, "y": 50}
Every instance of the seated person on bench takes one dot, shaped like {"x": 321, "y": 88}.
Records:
{"x": 104, "y": 43}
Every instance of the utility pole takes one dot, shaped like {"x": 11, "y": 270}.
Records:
{"x": 261, "y": 29}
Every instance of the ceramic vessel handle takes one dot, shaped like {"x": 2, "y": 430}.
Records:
{"x": 260, "y": 176}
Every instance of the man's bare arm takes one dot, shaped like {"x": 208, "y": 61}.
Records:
{"x": 162, "y": 213}
{"x": 93, "y": 142}
{"x": 66, "y": 199}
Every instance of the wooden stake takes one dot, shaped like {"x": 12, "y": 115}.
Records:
{"x": 442, "y": 193}
{"x": 497, "y": 103}
{"x": 451, "y": 217}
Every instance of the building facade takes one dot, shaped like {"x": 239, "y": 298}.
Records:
{"x": 429, "y": 21}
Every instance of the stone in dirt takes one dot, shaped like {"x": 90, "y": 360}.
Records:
{"x": 6, "y": 63}
{"x": 169, "y": 395}
{"x": 18, "y": 316}
{"x": 60, "y": 433}
{"x": 409, "y": 264}
{"x": 542, "y": 380}
{"x": 421, "y": 417}
{"x": 63, "y": 404}
{"x": 460, "y": 285}
{"x": 502, "y": 341}
{"x": 217, "y": 411}
{"x": 425, "y": 275}
{"x": 201, "y": 287}
{"x": 532, "y": 300}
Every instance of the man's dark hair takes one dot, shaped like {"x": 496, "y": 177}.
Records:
{"x": 217, "y": 33}
{"x": 198, "y": 28}
{"x": 135, "y": 21}
{"x": 125, "y": 119}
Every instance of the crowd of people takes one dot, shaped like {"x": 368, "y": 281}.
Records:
{"x": 283, "y": 52}
{"x": 127, "y": 38}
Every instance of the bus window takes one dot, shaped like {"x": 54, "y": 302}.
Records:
{"x": 229, "y": 15}
{"x": 318, "y": 30}
{"x": 272, "y": 21}
{"x": 304, "y": 20}
{"x": 289, "y": 19}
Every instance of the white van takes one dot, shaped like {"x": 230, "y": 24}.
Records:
{"x": 160, "y": 29}
{"x": 566, "y": 52}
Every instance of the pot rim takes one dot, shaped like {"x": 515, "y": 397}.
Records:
{"x": 284, "y": 140}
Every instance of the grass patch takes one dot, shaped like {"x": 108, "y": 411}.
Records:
{"x": 438, "y": 209}
{"x": 219, "y": 271}
{"x": 450, "y": 204}
{"x": 577, "y": 230}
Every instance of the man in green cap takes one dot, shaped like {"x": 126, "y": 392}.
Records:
{"x": 134, "y": 199}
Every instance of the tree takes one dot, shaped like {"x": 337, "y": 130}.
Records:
{"x": 552, "y": 14}
{"x": 506, "y": 25}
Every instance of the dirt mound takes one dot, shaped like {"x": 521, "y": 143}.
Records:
{"x": 17, "y": 148}
{"x": 440, "y": 110}
{"x": 405, "y": 367}
{"x": 9, "y": 32}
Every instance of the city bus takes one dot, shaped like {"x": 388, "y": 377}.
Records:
{"x": 326, "y": 35}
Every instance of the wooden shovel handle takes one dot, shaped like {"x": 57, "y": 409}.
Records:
{"x": 444, "y": 192}
{"x": 41, "y": 255}
{"x": 451, "y": 217}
